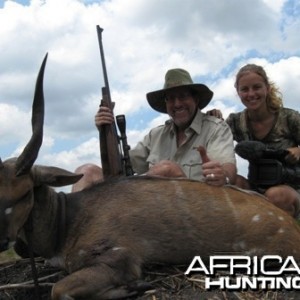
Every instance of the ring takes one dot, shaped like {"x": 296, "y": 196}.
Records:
{"x": 211, "y": 176}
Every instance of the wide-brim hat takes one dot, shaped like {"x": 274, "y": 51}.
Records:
{"x": 176, "y": 78}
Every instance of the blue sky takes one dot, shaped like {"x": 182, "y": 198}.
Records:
{"x": 23, "y": 2}
{"x": 142, "y": 40}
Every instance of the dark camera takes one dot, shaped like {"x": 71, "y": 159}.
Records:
{"x": 267, "y": 166}
{"x": 269, "y": 172}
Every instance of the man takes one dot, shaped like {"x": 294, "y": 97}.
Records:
{"x": 170, "y": 149}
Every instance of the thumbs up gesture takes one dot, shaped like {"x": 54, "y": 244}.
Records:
{"x": 212, "y": 170}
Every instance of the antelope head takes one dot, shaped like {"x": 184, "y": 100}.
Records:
{"x": 16, "y": 182}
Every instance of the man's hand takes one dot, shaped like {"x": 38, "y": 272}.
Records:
{"x": 213, "y": 171}
{"x": 166, "y": 168}
{"x": 104, "y": 116}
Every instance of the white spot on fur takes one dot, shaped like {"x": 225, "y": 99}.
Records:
{"x": 178, "y": 188}
{"x": 239, "y": 246}
{"x": 254, "y": 251}
{"x": 280, "y": 218}
{"x": 256, "y": 218}
{"x": 270, "y": 213}
{"x": 281, "y": 230}
{"x": 8, "y": 211}
{"x": 230, "y": 205}
{"x": 117, "y": 248}
{"x": 81, "y": 252}
{"x": 56, "y": 261}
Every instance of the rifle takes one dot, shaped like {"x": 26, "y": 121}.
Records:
{"x": 114, "y": 163}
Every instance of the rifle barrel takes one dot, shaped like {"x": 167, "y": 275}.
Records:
{"x": 111, "y": 157}
{"x": 99, "y": 32}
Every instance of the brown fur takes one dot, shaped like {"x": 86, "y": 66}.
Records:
{"x": 115, "y": 227}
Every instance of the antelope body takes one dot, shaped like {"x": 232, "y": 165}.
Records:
{"x": 104, "y": 235}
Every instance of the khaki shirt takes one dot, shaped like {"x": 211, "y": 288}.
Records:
{"x": 160, "y": 144}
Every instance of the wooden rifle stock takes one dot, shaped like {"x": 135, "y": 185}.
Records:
{"x": 111, "y": 158}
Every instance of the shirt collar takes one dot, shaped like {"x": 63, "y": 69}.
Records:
{"x": 197, "y": 122}
{"x": 195, "y": 125}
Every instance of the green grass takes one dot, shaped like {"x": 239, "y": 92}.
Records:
{"x": 8, "y": 255}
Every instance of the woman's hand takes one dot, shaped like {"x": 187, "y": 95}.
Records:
{"x": 216, "y": 113}
{"x": 293, "y": 156}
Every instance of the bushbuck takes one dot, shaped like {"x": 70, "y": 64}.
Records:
{"x": 105, "y": 234}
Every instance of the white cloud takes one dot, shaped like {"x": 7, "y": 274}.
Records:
{"x": 275, "y": 5}
{"x": 13, "y": 121}
{"x": 86, "y": 152}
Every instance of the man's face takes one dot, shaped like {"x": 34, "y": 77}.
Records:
{"x": 181, "y": 106}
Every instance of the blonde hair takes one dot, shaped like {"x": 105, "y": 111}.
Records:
{"x": 274, "y": 98}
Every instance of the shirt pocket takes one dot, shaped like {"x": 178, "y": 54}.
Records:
{"x": 192, "y": 166}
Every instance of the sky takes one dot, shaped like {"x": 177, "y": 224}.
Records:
{"x": 142, "y": 39}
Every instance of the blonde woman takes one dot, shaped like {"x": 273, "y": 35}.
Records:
{"x": 264, "y": 119}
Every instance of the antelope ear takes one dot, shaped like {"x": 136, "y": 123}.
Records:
{"x": 53, "y": 176}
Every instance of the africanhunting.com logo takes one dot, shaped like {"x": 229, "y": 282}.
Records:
{"x": 240, "y": 272}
